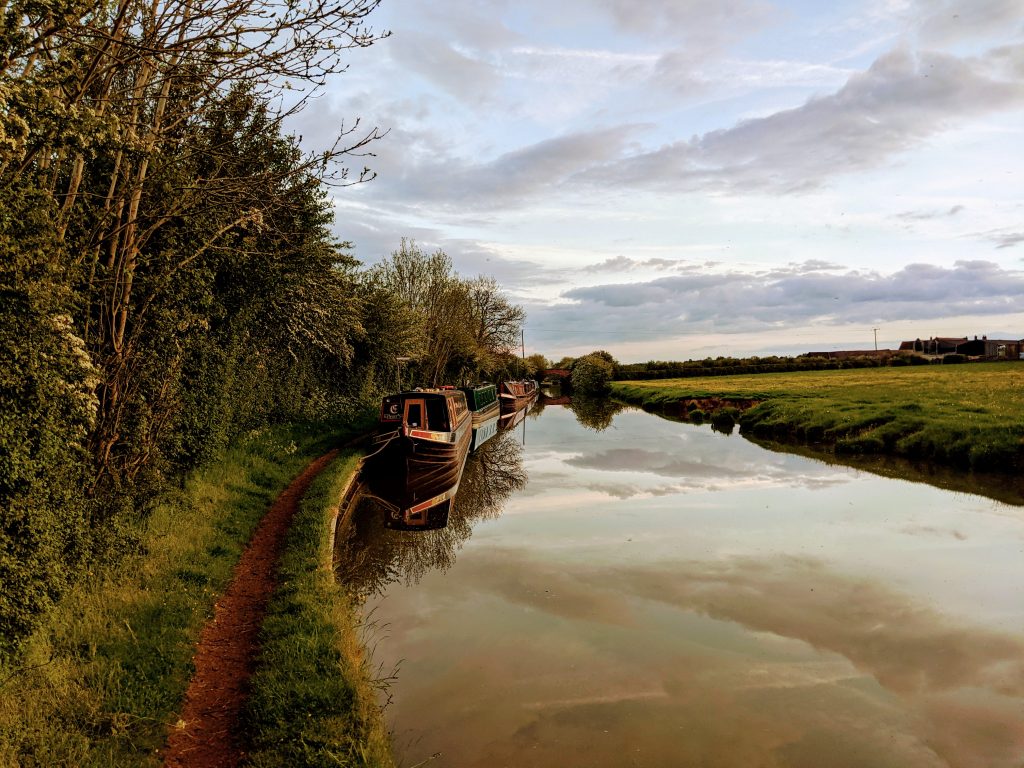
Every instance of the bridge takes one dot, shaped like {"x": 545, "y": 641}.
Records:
{"x": 561, "y": 373}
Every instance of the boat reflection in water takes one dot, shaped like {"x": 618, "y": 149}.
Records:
{"x": 426, "y": 435}
{"x": 383, "y": 536}
{"x": 514, "y": 408}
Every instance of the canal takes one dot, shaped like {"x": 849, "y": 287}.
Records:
{"x": 617, "y": 589}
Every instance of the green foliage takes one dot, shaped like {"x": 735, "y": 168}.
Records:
{"x": 734, "y": 366}
{"x": 536, "y": 363}
{"x": 47, "y": 407}
{"x": 591, "y": 374}
{"x": 107, "y": 671}
{"x": 455, "y": 329}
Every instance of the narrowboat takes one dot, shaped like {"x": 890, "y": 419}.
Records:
{"x": 517, "y": 392}
{"x": 434, "y": 427}
{"x": 482, "y": 400}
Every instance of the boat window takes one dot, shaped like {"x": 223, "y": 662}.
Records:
{"x": 436, "y": 415}
{"x": 459, "y": 408}
{"x": 414, "y": 414}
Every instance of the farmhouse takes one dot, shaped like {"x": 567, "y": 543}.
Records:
{"x": 938, "y": 345}
{"x": 998, "y": 348}
{"x": 1009, "y": 349}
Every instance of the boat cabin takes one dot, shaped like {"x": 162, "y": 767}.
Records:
{"x": 425, "y": 413}
{"x": 478, "y": 398}
{"x": 516, "y": 390}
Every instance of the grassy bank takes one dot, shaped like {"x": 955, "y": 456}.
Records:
{"x": 961, "y": 415}
{"x": 313, "y": 702}
{"x": 106, "y": 674}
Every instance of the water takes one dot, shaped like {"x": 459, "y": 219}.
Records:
{"x": 659, "y": 594}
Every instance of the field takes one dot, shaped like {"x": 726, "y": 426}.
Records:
{"x": 965, "y": 415}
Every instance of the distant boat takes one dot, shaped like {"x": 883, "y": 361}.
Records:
{"x": 517, "y": 392}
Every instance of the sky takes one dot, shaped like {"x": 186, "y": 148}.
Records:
{"x": 676, "y": 179}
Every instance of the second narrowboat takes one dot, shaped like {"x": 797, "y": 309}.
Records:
{"x": 482, "y": 400}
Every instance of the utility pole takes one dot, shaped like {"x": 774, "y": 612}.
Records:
{"x": 876, "y": 338}
{"x": 522, "y": 337}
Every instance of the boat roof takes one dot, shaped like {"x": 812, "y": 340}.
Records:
{"x": 420, "y": 392}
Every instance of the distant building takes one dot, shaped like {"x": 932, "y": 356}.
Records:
{"x": 935, "y": 345}
{"x": 1010, "y": 349}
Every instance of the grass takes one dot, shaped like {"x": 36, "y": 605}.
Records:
{"x": 961, "y": 415}
{"x": 313, "y": 700}
{"x": 102, "y": 679}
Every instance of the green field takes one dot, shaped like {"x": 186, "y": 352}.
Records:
{"x": 965, "y": 415}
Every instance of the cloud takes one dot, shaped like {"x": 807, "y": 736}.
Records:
{"x": 622, "y": 263}
{"x": 793, "y": 296}
{"x": 1009, "y": 239}
{"x": 459, "y": 73}
{"x": 901, "y": 101}
{"x": 893, "y": 106}
{"x": 945, "y": 22}
{"x": 929, "y": 215}
{"x": 441, "y": 182}
{"x": 689, "y": 20}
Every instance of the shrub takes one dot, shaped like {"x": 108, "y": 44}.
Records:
{"x": 591, "y": 375}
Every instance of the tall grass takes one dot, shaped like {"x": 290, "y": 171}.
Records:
{"x": 313, "y": 701}
{"x": 962, "y": 415}
{"x": 104, "y": 677}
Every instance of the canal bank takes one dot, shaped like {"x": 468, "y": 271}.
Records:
{"x": 964, "y": 416}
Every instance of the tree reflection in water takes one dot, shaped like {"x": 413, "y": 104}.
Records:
{"x": 595, "y": 412}
{"x": 368, "y": 556}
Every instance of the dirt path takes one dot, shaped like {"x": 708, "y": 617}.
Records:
{"x": 227, "y": 646}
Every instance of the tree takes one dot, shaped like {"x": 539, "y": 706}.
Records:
{"x": 497, "y": 323}
{"x": 466, "y": 328}
{"x": 592, "y": 373}
{"x": 165, "y": 254}
{"x": 536, "y": 364}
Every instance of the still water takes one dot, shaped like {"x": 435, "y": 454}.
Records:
{"x": 622, "y": 590}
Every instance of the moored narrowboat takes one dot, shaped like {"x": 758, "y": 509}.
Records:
{"x": 516, "y": 392}
{"x": 434, "y": 426}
